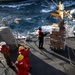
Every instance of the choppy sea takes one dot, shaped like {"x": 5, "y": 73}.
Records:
{"x": 33, "y": 13}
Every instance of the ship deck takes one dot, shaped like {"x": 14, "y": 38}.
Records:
{"x": 46, "y": 61}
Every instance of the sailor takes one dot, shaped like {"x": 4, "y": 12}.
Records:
{"x": 6, "y": 52}
{"x": 40, "y": 37}
{"x": 60, "y": 13}
{"x": 61, "y": 9}
{"x": 25, "y": 52}
{"x": 21, "y": 65}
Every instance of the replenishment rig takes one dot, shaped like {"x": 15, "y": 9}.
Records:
{"x": 58, "y": 35}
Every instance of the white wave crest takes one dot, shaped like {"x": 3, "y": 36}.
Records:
{"x": 47, "y": 28}
{"x": 45, "y": 10}
{"x": 27, "y": 18}
{"x": 48, "y": 9}
{"x": 72, "y": 11}
{"x": 13, "y": 6}
{"x": 17, "y": 5}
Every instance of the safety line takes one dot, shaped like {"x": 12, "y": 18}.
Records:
{"x": 47, "y": 2}
{"x": 54, "y": 2}
{"x": 71, "y": 62}
{"x": 57, "y": 1}
{"x": 73, "y": 52}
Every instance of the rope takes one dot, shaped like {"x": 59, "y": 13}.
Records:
{"x": 57, "y": 1}
{"x": 2, "y": 64}
{"x": 73, "y": 52}
{"x": 54, "y": 2}
{"x": 71, "y": 62}
{"x": 47, "y": 2}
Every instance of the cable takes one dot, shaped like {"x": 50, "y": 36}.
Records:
{"x": 47, "y": 2}
{"x": 54, "y": 2}
{"x": 57, "y": 1}
{"x": 73, "y": 52}
{"x": 2, "y": 64}
{"x": 71, "y": 62}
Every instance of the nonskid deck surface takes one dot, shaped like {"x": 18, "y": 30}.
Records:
{"x": 45, "y": 61}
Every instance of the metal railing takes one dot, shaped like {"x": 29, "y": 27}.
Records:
{"x": 5, "y": 72}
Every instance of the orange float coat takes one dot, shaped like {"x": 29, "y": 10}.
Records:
{"x": 22, "y": 67}
{"x": 40, "y": 33}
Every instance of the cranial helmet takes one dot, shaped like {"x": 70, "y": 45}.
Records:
{"x": 21, "y": 48}
{"x": 40, "y": 28}
{"x": 3, "y": 43}
{"x": 20, "y": 57}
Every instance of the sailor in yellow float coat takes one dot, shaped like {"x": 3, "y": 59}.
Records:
{"x": 21, "y": 65}
{"x": 61, "y": 13}
{"x": 61, "y": 10}
{"x": 25, "y": 52}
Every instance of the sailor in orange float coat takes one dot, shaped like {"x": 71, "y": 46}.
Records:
{"x": 21, "y": 65}
{"x": 40, "y": 37}
{"x": 25, "y": 53}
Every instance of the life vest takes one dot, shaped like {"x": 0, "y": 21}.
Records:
{"x": 40, "y": 33}
{"x": 22, "y": 67}
{"x": 25, "y": 52}
{"x": 5, "y": 50}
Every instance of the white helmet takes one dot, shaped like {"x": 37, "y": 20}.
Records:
{"x": 3, "y": 43}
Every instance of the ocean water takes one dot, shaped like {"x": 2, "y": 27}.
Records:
{"x": 33, "y": 13}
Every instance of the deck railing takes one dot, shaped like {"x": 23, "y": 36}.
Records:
{"x": 5, "y": 72}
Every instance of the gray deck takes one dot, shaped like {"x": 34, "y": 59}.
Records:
{"x": 46, "y": 61}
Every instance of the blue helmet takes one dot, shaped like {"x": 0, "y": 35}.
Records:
{"x": 40, "y": 28}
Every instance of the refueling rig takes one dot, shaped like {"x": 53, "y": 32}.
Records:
{"x": 58, "y": 35}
